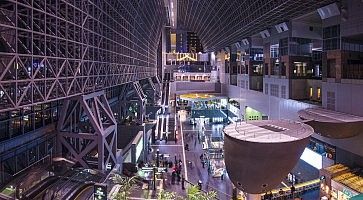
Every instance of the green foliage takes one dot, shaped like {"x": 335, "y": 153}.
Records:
{"x": 127, "y": 185}
{"x": 164, "y": 195}
{"x": 195, "y": 194}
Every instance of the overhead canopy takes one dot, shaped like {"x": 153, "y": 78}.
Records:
{"x": 220, "y": 23}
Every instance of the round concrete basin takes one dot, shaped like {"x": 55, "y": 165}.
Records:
{"x": 259, "y": 154}
{"x": 332, "y": 124}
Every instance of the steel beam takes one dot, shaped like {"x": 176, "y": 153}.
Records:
{"x": 53, "y": 50}
{"x": 87, "y": 130}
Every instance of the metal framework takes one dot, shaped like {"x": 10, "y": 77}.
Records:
{"x": 220, "y": 23}
{"x": 131, "y": 95}
{"x": 151, "y": 90}
{"x": 55, "y": 49}
{"x": 87, "y": 131}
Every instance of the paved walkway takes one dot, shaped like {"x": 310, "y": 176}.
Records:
{"x": 197, "y": 172}
{"x": 187, "y": 134}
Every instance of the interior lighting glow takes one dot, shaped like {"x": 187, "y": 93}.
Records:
{"x": 312, "y": 158}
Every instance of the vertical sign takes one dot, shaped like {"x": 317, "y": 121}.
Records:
{"x": 100, "y": 191}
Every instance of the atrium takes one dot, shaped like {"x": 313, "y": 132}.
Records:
{"x": 181, "y": 99}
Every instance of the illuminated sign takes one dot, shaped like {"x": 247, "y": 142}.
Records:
{"x": 100, "y": 191}
{"x": 348, "y": 192}
{"x": 312, "y": 158}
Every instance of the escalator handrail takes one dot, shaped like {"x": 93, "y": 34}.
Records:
{"x": 74, "y": 193}
{"x": 39, "y": 187}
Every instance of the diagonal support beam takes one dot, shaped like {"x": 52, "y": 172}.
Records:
{"x": 91, "y": 106}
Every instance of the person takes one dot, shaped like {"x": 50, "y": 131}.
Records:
{"x": 178, "y": 177}
{"x": 173, "y": 176}
{"x": 203, "y": 164}
{"x": 182, "y": 182}
{"x": 176, "y": 140}
{"x": 200, "y": 185}
{"x": 187, "y": 147}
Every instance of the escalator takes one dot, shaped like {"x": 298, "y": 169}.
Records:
{"x": 83, "y": 191}
{"x": 39, "y": 188}
{"x": 75, "y": 183}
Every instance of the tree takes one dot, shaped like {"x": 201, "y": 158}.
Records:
{"x": 127, "y": 185}
{"x": 165, "y": 195}
{"x": 195, "y": 194}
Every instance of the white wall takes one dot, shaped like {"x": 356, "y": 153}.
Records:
{"x": 277, "y": 108}
{"x": 303, "y": 30}
{"x": 277, "y": 81}
{"x": 274, "y": 107}
{"x": 243, "y": 80}
{"x": 348, "y": 97}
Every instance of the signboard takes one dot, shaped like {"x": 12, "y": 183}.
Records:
{"x": 349, "y": 192}
{"x": 100, "y": 191}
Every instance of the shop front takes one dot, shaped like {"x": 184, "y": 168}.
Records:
{"x": 341, "y": 192}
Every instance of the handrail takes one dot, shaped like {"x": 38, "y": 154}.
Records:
{"x": 73, "y": 194}
{"x": 41, "y": 186}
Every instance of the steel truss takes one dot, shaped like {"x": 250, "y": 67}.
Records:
{"x": 87, "y": 131}
{"x": 132, "y": 94}
{"x": 55, "y": 49}
{"x": 151, "y": 90}
{"x": 220, "y": 23}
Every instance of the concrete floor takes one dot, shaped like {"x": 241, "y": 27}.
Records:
{"x": 187, "y": 134}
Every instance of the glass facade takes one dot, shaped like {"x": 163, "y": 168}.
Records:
{"x": 17, "y": 159}
{"x": 331, "y": 38}
{"x": 27, "y": 119}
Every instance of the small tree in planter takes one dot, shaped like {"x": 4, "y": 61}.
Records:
{"x": 195, "y": 194}
{"x": 127, "y": 185}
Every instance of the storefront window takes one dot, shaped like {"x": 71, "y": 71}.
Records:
{"x": 15, "y": 127}
{"x": 4, "y": 130}
{"x": 319, "y": 93}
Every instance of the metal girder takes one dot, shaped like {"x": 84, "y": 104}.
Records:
{"x": 51, "y": 50}
{"x": 151, "y": 90}
{"x": 87, "y": 131}
{"x": 132, "y": 94}
{"x": 220, "y": 23}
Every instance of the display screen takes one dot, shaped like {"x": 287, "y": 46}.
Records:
{"x": 100, "y": 192}
{"x": 312, "y": 158}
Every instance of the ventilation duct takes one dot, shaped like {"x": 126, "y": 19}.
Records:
{"x": 265, "y": 34}
{"x": 245, "y": 42}
{"x": 281, "y": 27}
{"x": 328, "y": 11}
